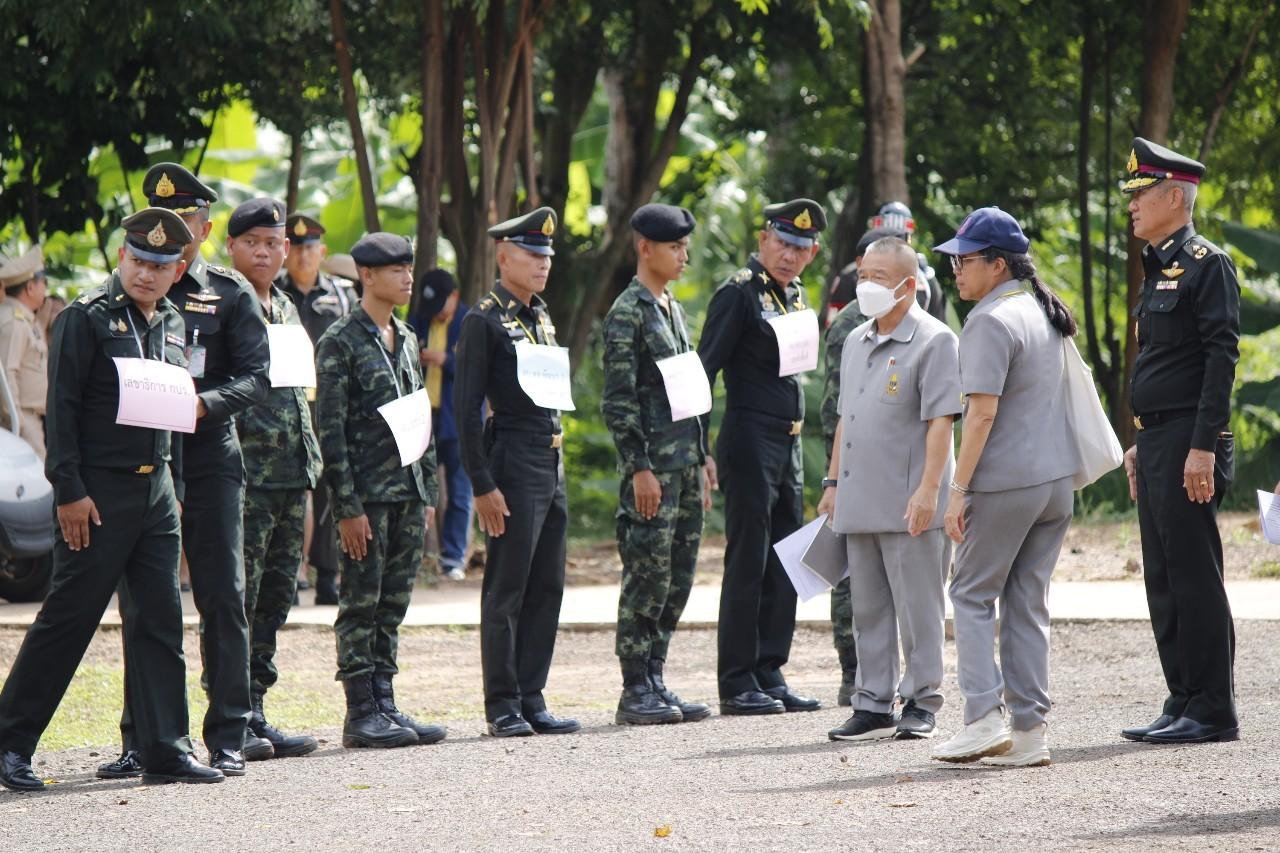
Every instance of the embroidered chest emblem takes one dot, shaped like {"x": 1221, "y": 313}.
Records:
{"x": 892, "y": 388}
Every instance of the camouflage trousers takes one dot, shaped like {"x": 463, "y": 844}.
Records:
{"x": 375, "y": 591}
{"x": 273, "y": 526}
{"x": 659, "y": 556}
{"x": 842, "y": 616}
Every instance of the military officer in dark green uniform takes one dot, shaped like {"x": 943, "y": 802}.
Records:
{"x": 848, "y": 319}
{"x": 516, "y": 468}
{"x": 366, "y": 361}
{"x": 227, "y": 356}
{"x": 758, "y": 457}
{"x": 281, "y": 461}
{"x": 321, "y": 299}
{"x": 117, "y": 488}
{"x": 666, "y": 477}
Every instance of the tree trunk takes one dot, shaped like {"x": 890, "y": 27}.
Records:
{"x": 1223, "y": 96}
{"x": 295, "y": 172}
{"x": 351, "y": 105}
{"x": 431, "y": 153}
{"x": 1166, "y": 20}
{"x": 886, "y": 99}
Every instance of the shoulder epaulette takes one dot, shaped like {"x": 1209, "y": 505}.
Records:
{"x": 742, "y": 276}
{"x": 92, "y": 295}
{"x": 1199, "y": 248}
{"x": 488, "y": 303}
{"x": 228, "y": 272}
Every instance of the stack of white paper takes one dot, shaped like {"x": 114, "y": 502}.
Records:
{"x": 814, "y": 558}
{"x": 1269, "y": 513}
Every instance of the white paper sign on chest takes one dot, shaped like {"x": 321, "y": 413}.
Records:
{"x": 293, "y": 358}
{"x": 797, "y": 335}
{"x": 543, "y": 374}
{"x": 688, "y": 390}
{"x": 156, "y": 395}
{"x": 409, "y": 418}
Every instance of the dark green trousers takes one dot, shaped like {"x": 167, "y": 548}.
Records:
{"x": 274, "y": 521}
{"x": 137, "y": 546}
{"x": 375, "y": 591}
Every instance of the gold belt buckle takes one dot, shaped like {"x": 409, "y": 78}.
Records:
{"x": 1137, "y": 422}
{"x": 796, "y": 427}
{"x": 557, "y": 440}
{"x": 144, "y": 469}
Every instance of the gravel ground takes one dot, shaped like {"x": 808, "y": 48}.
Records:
{"x": 771, "y": 783}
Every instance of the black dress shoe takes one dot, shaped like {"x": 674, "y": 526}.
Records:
{"x": 1187, "y": 730}
{"x": 185, "y": 769}
{"x": 257, "y": 748}
{"x": 791, "y": 701}
{"x": 127, "y": 766}
{"x": 229, "y": 761}
{"x": 1137, "y": 733}
{"x": 16, "y": 773}
{"x": 510, "y": 725}
{"x": 546, "y": 723}
{"x": 752, "y": 703}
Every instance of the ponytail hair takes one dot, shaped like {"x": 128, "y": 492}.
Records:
{"x": 1021, "y": 267}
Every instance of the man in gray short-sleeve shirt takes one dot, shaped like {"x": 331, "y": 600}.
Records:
{"x": 899, "y": 394}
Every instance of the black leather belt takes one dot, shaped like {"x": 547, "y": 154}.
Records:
{"x": 1157, "y": 418}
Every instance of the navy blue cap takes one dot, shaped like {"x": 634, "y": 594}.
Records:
{"x": 255, "y": 213}
{"x": 381, "y": 249}
{"x": 985, "y": 228}
{"x": 662, "y": 223}
{"x": 531, "y": 232}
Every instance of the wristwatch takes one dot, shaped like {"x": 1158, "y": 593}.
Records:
{"x": 829, "y": 483}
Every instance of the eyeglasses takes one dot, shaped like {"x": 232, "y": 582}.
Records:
{"x": 958, "y": 261}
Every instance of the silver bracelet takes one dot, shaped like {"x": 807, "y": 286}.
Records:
{"x": 964, "y": 490}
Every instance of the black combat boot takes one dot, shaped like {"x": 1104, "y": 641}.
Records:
{"x": 848, "y": 673}
{"x": 690, "y": 712}
{"x": 386, "y": 697}
{"x": 283, "y": 746}
{"x": 326, "y": 586}
{"x": 639, "y": 704}
{"x": 365, "y": 725}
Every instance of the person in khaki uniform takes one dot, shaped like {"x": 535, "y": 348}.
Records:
{"x": 899, "y": 395}
{"x": 23, "y": 349}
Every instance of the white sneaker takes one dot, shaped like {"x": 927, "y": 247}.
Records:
{"x": 457, "y": 573}
{"x": 1030, "y": 749}
{"x": 987, "y": 736}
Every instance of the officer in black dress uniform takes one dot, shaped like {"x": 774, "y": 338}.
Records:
{"x": 1188, "y": 320}
{"x": 227, "y": 356}
{"x": 758, "y": 460}
{"x": 516, "y": 467}
{"x": 117, "y": 489}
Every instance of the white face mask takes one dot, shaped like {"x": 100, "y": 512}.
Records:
{"x": 875, "y": 299}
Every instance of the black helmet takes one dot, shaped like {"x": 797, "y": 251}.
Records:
{"x": 894, "y": 215}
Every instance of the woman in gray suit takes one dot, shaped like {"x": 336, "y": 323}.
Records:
{"x": 1011, "y": 497}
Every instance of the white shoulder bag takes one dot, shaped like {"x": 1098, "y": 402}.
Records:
{"x": 1096, "y": 443}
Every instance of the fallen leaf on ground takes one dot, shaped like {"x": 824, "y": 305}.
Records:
{"x": 902, "y": 805}
{"x": 358, "y": 787}
{"x": 839, "y": 802}
{"x": 662, "y": 831}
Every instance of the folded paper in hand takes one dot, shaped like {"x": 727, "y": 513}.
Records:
{"x": 814, "y": 558}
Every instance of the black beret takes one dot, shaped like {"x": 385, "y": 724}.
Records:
{"x": 797, "y": 222}
{"x": 172, "y": 186}
{"x": 156, "y": 234}
{"x": 381, "y": 249}
{"x": 255, "y": 213}
{"x": 1149, "y": 164}
{"x": 531, "y": 232}
{"x": 663, "y": 223}
{"x": 302, "y": 228}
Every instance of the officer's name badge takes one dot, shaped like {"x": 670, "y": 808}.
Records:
{"x": 1166, "y": 285}
{"x": 200, "y": 308}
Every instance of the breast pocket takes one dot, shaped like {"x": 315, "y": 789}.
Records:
{"x": 895, "y": 385}
{"x": 1165, "y": 321}
{"x": 376, "y": 386}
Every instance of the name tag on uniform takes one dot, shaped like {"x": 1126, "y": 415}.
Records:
{"x": 293, "y": 358}
{"x": 155, "y": 395}
{"x": 543, "y": 374}
{"x": 409, "y": 418}
{"x": 688, "y": 390}
{"x": 797, "y": 335}
{"x": 1166, "y": 285}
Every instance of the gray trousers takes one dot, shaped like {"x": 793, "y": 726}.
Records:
{"x": 895, "y": 584}
{"x": 1011, "y": 546}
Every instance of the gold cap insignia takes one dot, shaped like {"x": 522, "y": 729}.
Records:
{"x": 300, "y": 228}
{"x": 804, "y": 220}
{"x": 165, "y": 187}
{"x": 156, "y": 236}
{"x": 1133, "y": 161}
{"x": 548, "y": 226}
{"x": 275, "y": 214}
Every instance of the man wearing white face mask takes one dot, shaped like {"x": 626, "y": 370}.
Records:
{"x": 899, "y": 394}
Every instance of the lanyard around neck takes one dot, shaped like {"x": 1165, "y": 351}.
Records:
{"x": 382, "y": 348}
{"x": 528, "y": 334}
{"x": 137, "y": 339}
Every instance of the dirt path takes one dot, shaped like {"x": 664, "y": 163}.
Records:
{"x": 764, "y": 783}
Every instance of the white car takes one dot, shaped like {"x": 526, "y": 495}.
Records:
{"x": 26, "y": 514}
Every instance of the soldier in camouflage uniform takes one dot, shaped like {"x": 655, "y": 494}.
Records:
{"x": 365, "y": 360}
{"x": 662, "y": 491}
{"x": 842, "y": 324}
{"x": 281, "y": 460}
